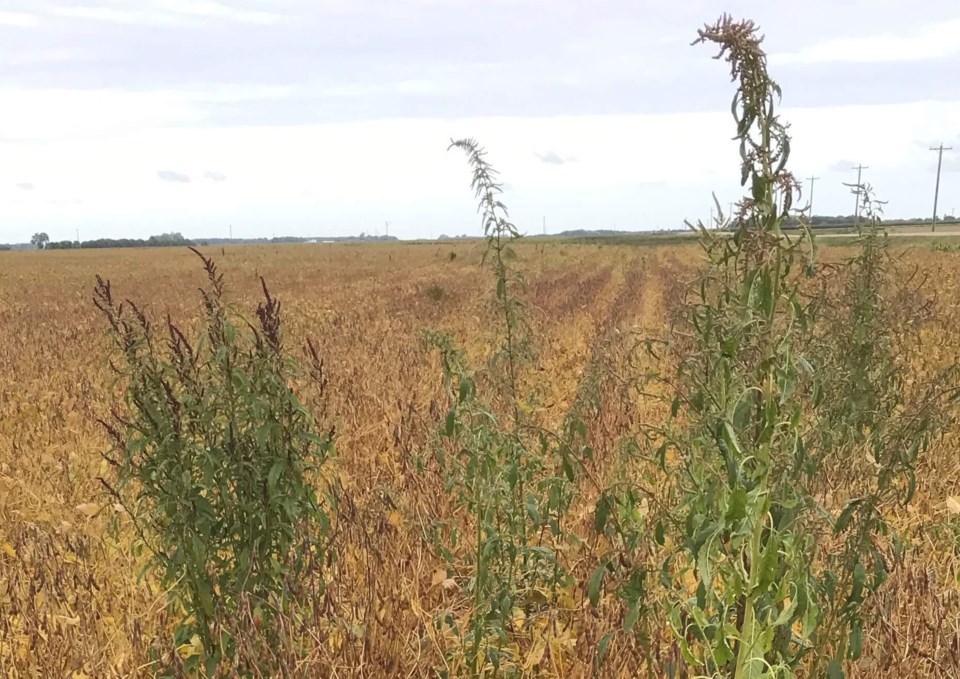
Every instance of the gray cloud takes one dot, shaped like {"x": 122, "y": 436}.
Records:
{"x": 214, "y": 176}
{"x": 25, "y": 186}
{"x": 553, "y": 158}
{"x": 171, "y": 176}
{"x": 451, "y": 59}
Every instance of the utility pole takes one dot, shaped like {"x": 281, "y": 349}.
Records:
{"x": 856, "y": 212}
{"x": 78, "y": 235}
{"x": 811, "y": 180}
{"x": 231, "y": 232}
{"x": 936, "y": 192}
{"x": 387, "y": 226}
{"x": 544, "y": 225}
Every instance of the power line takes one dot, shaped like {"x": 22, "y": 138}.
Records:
{"x": 936, "y": 192}
{"x": 811, "y": 180}
{"x": 856, "y": 211}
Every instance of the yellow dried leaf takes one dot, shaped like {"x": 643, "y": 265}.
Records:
{"x": 9, "y": 550}
{"x": 953, "y": 504}
{"x": 449, "y": 584}
{"x": 519, "y": 619}
{"x": 395, "y": 518}
{"x": 191, "y": 649}
{"x": 534, "y": 656}
{"x": 88, "y": 508}
{"x": 438, "y": 577}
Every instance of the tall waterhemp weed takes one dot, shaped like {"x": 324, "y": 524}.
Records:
{"x": 875, "y": 421}
{"x": 511, "y": 478}
{"x": 769, "y": 574}
{"x": 215, "y": 459}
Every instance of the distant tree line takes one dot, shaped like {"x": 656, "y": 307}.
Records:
{"x": 163, "y": 240}
{"x": 826, "y": 222}
{"x": 278, "y": 240}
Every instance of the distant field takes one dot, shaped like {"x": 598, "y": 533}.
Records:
{"x": 70, "y": 602}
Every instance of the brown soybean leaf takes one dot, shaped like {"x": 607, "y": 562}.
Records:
{"x": 953, "y": 504}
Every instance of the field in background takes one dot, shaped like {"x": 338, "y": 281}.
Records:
{"x": 70, "y": 601}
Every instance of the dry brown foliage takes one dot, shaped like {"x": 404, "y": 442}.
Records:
{"x": 71, "y": 604}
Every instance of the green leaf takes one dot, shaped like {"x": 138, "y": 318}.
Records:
{"x": 630, "y": 619}
{"x": 662, "y": 454}
{"x": 835, "y": 670}
{"x": 859, "y": 578}
{"x": 205, "y": 599}
{"x": 532, "y": 510}
{"x": 466, "y": 389}
{"x": 601, "y": 514}
{"x": 595, "y": 582}
{"x": 737, "y": 505}
{"x": 844, "y": 519}
{"x": 730, "y": 438}
{"x": 856, "y": 640}
{"x": 450, "y": 423}
{"x": 274, "y": 475}
{"x": 602, "y": 649}
{"x": 658, "y": 533}
{"x": 567, "y": 468}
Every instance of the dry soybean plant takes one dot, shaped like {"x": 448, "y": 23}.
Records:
{"x": 744, "y": 532}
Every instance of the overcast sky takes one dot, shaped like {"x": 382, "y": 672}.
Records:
{"x": 331, "y": 117}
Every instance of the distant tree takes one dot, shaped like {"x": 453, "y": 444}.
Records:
{"x": 40, "y": 240}
{"x": 167, "y": 239}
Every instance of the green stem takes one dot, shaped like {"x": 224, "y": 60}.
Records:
{"x": 749, "y": 629}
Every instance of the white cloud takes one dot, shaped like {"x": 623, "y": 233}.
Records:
{"x": 208, "y": 9}
{"x": 61, "y": 114}
{"x": 101, "y": 13}
{"x": 329, "y": 178}
{"x": 934, "y": 41}
{"x": 18, "y": 19}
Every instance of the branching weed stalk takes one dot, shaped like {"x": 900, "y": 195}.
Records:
{"x": 767, "y": 577}
{"x": 742, "y": 598}
{"x": 513, "y": 478}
